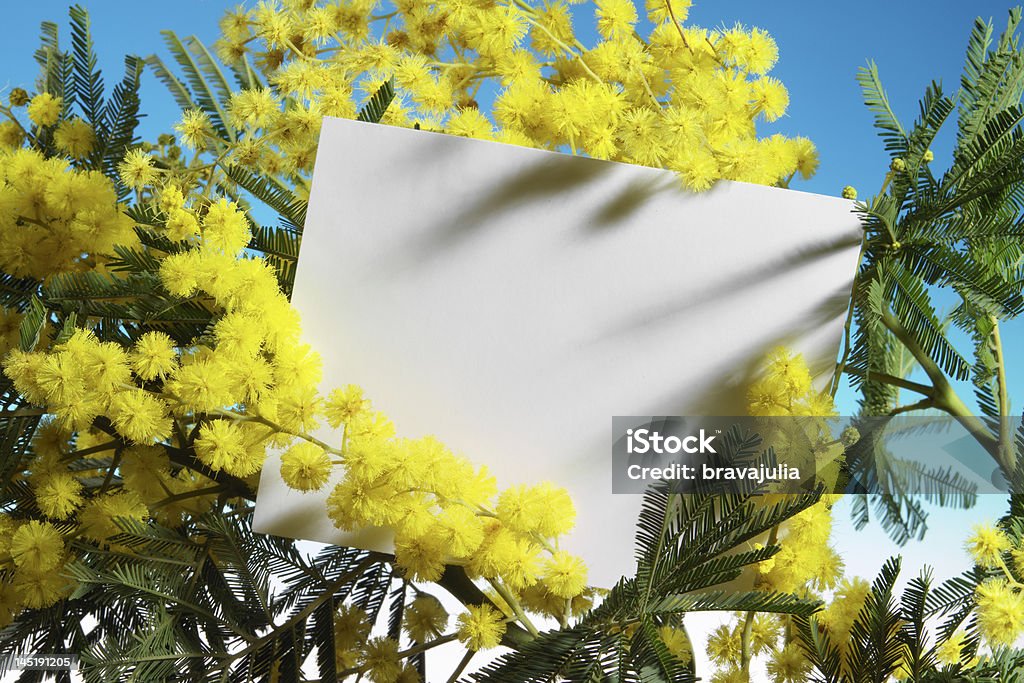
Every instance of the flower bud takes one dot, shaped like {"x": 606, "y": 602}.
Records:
{"x": 898, "y": 165}
{"x": 18, "y": 97}
{"x": 849, "y": 192}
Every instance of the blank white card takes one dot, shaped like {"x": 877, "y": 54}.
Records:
{"x": 510, "y": 301}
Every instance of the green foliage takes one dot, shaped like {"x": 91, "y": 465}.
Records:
{"x": 930, "y": 238}
{"x": 198, "y": 593}
{"x": 889, "y": 635}
{"x": 373, "y": 110}
{"x": 75, "y": 77}
{"x": 204, "y": 87}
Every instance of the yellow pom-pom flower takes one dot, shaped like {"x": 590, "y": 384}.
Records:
{"x": 380, "y": 660}
{"x": 788, "y": 664}
{"x": 194, "y": 128}
{"x": 153, "y": 356}
{"x": 344, "y": 404}
{"x": 565, "y": 575}
{"x": 136, "y": 169}
{"x": 140, "y": 416}
{"x": 677, "y": 643}
{"x": 461, "y": 530}
{"x": 201, "y": 385}
{"x": 181, "y": 225}
{"x": 253, "y": 108}
{"x": 987, "y": 545}
{"x": 225, "y": 228}
{"x": 1000, "y": 612}
{"x": 36, "y": 547}
{"x": 420, "y": 555}
{"x": 305, "y": 466}
{"x": 949, "y": 651}
{"x": 59, "y": 495}
{"x": 425, "y": 619}
{"x": 724, "y": 644}
{"x": 44, "y": 109}
{"x": 770, "y": 97}
{"x": 40, "y": 590}
{"x": 220, "y": 444}
{"x": 97, "y": 517}
{"x": 11, "y": 135}
{"x": 76, "y": 137}
{"x": 481, "y": 627}
{"x": 615, "y": 17}
{"x": 351, "y": 623}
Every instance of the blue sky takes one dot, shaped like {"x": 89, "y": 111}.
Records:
{"x": 821, "y": 46}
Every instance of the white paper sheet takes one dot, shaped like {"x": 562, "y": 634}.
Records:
{"x": 510, "y": 301}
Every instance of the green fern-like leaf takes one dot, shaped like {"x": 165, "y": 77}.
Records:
{"x": 373, "y": 111}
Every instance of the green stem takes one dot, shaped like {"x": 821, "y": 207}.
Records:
{"x": 507, "y": 596}
{"x": 920, "y": 405}
{"x": 92, "y": 450}
{"x": 895, "y": 381}
{"x": 945, "y": 397}
{"x": 1006, "y": 446}
{"x": 461, "y": 667}
{"x": 220, "y": 488}
{"x": 579, "y": 57}
{"x": 460, "y": 586}
{"x": 943, "y": 393}
{"x": 114, "y": 462}
{"x": 745, "y": 654}
{"x": 273, "y": 425}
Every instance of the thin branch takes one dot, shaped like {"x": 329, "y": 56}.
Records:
{"x": 1006, "y": 445}
{"x": 462, "y": 666}
{"x": 886, "y": 378}
{"x": 919, "y": 405}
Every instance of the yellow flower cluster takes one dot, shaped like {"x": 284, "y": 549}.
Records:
{"x": 785, "y": 389}
{"x": 680, "y": 97}
{"x": 999, "y": 600}
{"x": 55, "y": 219}
{"x": 36, "y": 550}
{"x": 806, "y": 562}
{"x": 379, "y": 659}
{"x": 806, "y": 556}
{"x": 838, "y": 617}
{"x": 441, "y": 509}
{"x": 249, "y": 383}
